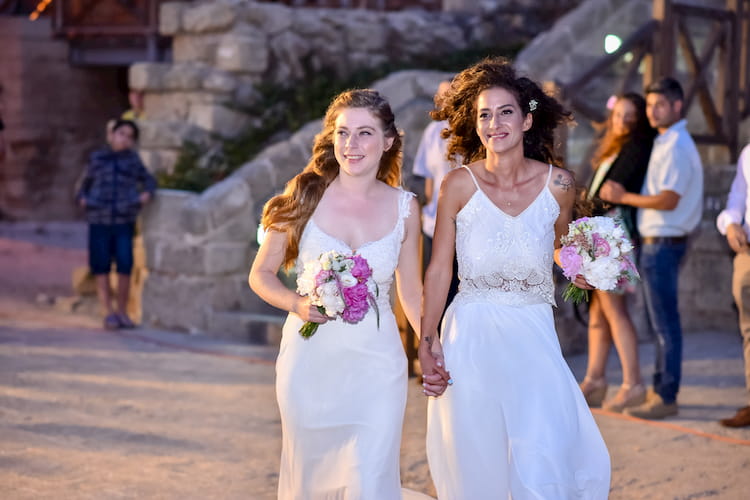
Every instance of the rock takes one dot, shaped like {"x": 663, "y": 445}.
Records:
{"x": 208, "y": 16}
{"x": 147, "y": 76}
{"x": 220, "y": 81}
{"x": 270, "y": 18}
{"x": 218, "y": 119}
{"x": 242, "y": 54}
{"x": 185, "y": 76}
{"x": 194, "y": 48}
{"x": 170, "y": 18}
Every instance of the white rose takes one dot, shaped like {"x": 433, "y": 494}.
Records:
{"x": 347, "y": 279}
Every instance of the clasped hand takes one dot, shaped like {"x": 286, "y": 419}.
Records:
{"x": 435, "y": 378}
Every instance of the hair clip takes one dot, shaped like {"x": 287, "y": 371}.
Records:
{"x": 611, "y": 102}
{"x": 533, "y": 104}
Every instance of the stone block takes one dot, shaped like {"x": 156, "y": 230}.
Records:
{"x": 220, "y": 81}
{"x": 159, "y": 160}
{"x": 195, "y": 47}
{"x": 177, "y": 302}
{"x": 161, "y": 216}
{"x": 269, "y": 18}
{"x": 226, "y": 199}
{"x": 246, "y": 94}
{"x": 305, "y": 136}
{"x": 169, "y": 134}
{"x": 241, "y": 229}
{"x": 147, "y": 76}
{"x": 399, "y": 88}
{"x": 208, "y": 16}
{"x": 185, "y": 76}
{"x": 218, "y": 119}
{"x": 179, "y": 258}
{"x": 166, "y": 106}
{"x": 288, "y": 51}
{"x": 195, "y": 217}
{"x": 242, "y": 54}
{"x": 246, "y": 327}
{"x": 170, "y": 18}
{"x": 227, "y": 258}
{"x": 367, "y": 35}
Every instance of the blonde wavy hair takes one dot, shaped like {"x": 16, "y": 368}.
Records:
{"x": 290, "y": 211}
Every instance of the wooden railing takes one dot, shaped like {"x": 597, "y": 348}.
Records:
{"x": 718, "y": 74}
{"x": 364, "y": 4}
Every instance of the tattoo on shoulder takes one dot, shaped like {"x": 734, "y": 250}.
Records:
{"x": 564, "y": 181}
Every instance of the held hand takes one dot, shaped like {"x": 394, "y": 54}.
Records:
{"x": 612, "y": 192}
{"x": 435, "y": 378}
{"x": 581, "y": 282}
{"x": 144, "y": 197}
{"x": 307, "y": 311}
{"x": 737, "y": 238}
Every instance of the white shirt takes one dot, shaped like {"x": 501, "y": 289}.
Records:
{"x": 737, "y": 210}
{"x": 431, "y": 163}
{"x": 674, "y": 166}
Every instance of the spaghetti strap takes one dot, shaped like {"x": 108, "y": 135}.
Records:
{"x": 474, "y": 178}
{"x": 549, "y": 175}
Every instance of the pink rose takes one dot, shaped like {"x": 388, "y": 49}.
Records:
{"x": 361, "y": 269}
{"x": 571, "y": 261}
{"x": 355, "y": 298}
{"x": 601, "y": 247}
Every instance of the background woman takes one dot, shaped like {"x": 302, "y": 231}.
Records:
{"x": 622, "y": 156}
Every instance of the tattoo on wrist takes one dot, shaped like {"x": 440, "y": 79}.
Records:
{"x": 565, "y": 183}
{"x": 427, "y": 340}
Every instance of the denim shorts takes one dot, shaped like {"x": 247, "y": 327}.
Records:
{"x": 108, "y": 242}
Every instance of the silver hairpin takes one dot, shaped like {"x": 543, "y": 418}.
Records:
{"x": 533, "y": 104}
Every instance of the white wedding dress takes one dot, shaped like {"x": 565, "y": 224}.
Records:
{"x": 342, "y": 392}
{"x": 514, "y": 424}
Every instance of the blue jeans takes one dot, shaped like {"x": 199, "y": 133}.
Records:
{"x": 660, "y": 265}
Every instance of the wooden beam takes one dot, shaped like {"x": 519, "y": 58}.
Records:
{"x": 697, "y": 66}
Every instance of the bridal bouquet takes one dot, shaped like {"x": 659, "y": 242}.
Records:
{"x": 339, "y": 285}
{"x": 598, "y": 249}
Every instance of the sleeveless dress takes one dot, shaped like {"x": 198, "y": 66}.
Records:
{"x": 342, "y": 392}
{"x": 514, "y": 424}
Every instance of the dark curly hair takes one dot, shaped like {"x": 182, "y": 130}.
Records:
{"x": 289, "y": 211}
{"x": 458, "y": 106}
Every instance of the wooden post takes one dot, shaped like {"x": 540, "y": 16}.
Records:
{"x": 662, "y": 60}
{"x": 731, "y": 53}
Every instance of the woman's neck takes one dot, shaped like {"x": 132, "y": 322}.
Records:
{"x": 509, "y": 166}
{"x": 358, "y": 186}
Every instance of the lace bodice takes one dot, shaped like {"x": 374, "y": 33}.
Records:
{"x": 504, "y": 258}
{"x": 381, "y": 254}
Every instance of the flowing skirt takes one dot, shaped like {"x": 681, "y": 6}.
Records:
{"x": 514, "y": 424}
{"x": 342, "y": 395}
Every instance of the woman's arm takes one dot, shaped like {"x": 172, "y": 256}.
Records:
{"x": 563, "y": 189}
{"x": 264, "y": 281}
{"x": 408, "y": 272}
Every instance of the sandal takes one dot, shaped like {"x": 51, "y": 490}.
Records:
{"x": 111, "y": 322}
{"x": 626, "y": 397}
{"x": 124, "y": 321}
{"x": 594, "y": 390}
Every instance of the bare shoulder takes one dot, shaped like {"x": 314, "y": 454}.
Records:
{"x": 562, "y": 181}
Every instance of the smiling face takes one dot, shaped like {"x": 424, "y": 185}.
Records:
{"x": 624, "y": 117}
{"x": 359, "y": 141}
{"x": 500, "y": 120}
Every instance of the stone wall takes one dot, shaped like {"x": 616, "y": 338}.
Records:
{"x": 54, "y": 116}
{"x": 223, "y": 50}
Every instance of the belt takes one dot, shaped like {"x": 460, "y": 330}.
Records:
{"x": 663, "y": 240}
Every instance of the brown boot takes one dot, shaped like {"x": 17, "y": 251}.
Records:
{"x": 740, "y": 419}
{"x": 653, "y": 409}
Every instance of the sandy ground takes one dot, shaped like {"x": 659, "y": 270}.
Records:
{"x": 89, "y": 414}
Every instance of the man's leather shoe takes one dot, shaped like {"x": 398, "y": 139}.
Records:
{"x": 653, "y": 409}
{"x": 740, "y": 419}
